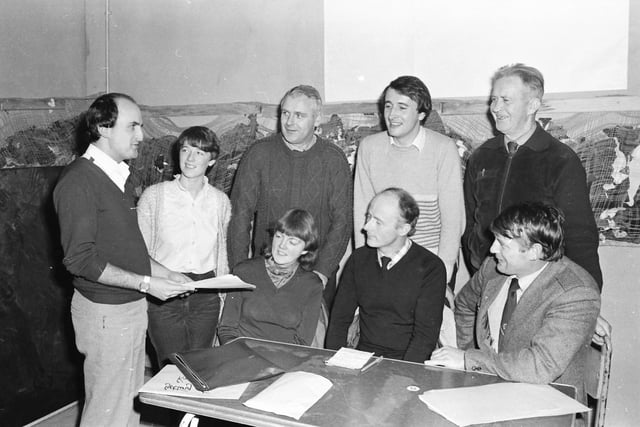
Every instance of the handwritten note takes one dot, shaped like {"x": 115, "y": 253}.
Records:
{"x": 170, "y": 381}
{"x": 349, "y": 358}
{"x": 499, "y": 402}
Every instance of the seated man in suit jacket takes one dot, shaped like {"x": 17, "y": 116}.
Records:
{"x": 537, "y": 327}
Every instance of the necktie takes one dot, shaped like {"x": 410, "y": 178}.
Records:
{"x": 385, "y": 260}
{"x": 512, "y": 147}
{"x": 509, "y": 308}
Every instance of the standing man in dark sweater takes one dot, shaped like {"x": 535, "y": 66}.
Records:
{"x": 294, "y": 169}
{"x": 524, "y": 163}
{"x": 398, "y": 285}
{"x": 111, "y": 268}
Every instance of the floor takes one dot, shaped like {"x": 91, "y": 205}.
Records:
{"x": 68, "y": 416}
{"x": 150, "y": 417}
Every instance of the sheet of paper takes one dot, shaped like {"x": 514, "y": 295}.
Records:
{"x": 349, "y": 358}
{"x": 291, "y": 395}
{"x": 499, "y": 402}
{"x": 170, "y": 381}
{"x": 227, "y": 281}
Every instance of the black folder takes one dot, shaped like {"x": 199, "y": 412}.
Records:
{"x": 232, "y": 363}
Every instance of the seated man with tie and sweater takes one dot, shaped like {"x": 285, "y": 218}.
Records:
{"x": 529, "y": 313}
{"x": 398, "y": 286}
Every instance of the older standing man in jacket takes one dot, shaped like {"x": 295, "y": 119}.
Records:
{"x": 524, "y": 163}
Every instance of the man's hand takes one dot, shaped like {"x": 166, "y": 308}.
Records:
{"x": 163, "y": 289}
{"x": 178, "y": 277}
{"x": 602, "y": 328}
{"x": 448, "y": 357}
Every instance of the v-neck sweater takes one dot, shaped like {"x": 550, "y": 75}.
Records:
{"x": 400, "y": 308}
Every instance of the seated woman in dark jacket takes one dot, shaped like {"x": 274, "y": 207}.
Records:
{"x": 285, "y": 306}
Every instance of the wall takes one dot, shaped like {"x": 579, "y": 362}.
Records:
{"x": 42, "y": 46}
{"x": 190, "y": 52}
{"x": 214, "y": 51}
{"x": 621, "y": 307}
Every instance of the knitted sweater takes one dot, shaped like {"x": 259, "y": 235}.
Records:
{"x": 98, "y": 225}
{"x": 286, "y": 314}
{"x": 432, "y": 175}
{"x": 272, "y": 179}
{"x": 400, "y": 308}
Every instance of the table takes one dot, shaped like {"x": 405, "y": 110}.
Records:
{"x": 376, "y": 397}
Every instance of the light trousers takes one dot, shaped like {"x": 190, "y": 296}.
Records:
{"x": 112, "y": 339}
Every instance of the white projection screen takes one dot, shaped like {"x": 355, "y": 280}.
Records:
{"x": 454, "y": 46}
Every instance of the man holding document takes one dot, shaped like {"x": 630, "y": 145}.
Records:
{"x": 529, "y": 313}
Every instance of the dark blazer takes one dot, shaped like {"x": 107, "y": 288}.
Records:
{"x": 549, "y": 332}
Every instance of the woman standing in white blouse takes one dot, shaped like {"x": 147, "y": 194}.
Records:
{"x": 184, "y": 224}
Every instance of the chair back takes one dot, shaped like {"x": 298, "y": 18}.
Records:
{"x": 598, "y": 368}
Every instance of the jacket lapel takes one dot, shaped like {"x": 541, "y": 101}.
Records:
{"x": 530, "y": 300}
{"x": 488, "y": 296}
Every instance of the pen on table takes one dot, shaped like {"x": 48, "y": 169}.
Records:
{"x": 375, "y": 362}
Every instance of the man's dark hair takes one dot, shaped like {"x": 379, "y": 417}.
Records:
{"x": 533, "y": 223}
{"x": 103, "y": 112}
{"x": 415, "y": 89}
{"x": 409, "y": 210}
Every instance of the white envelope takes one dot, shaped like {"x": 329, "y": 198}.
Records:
{"x": 291, "y": 395}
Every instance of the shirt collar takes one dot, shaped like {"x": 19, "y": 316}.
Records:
{"x": 398, "y": 255}
{"x": 117, "y": 172}
{"x": 417, "y": 142}
{"x": 526, "y": 280}
{"x": 176, "y": 178}
{"x": 301, "y": 148}
{"x": 522, "y": 139}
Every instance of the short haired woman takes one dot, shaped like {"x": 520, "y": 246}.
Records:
{"x": 184, "y": 224}
{"x": 285, "y": 306}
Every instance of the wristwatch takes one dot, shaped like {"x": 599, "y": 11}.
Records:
{"x": 145, "y": 284}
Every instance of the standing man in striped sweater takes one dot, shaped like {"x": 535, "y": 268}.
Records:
{"x": 419, "y": 160}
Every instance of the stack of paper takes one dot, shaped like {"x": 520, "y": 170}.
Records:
{"x": 170, "y": 381}
{"x": 291, "y": 395}
{"x": 349, "y": 358}
{"x": 499, "y": 402}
